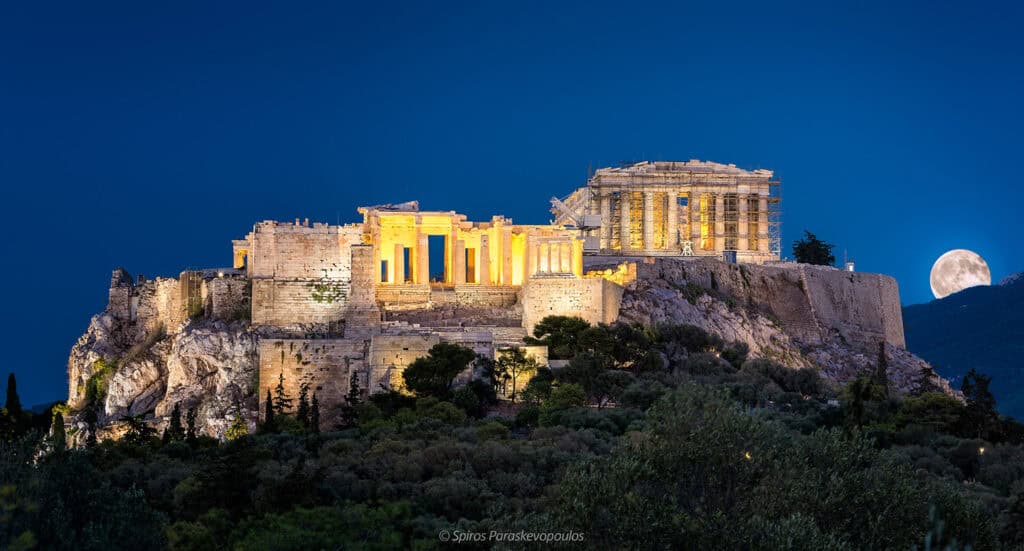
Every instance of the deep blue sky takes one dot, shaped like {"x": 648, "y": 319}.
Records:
{"x": 149, "y": 135}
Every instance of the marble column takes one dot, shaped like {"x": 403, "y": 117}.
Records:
{"x": 565, "y": 257}
{"x": 423, "y": 259}
{"x": 624, "y": 204}
{"x": 762, "y": 228}
{"x": 484, "y": 266}
{"x": 719, "y": 222}
{"x": 672, "y": 221}
{"x": 606, "y": 221}
{"x": 529, "y": 259}
{"x": 506, "y": 256}
{"x": 399, "y": 264}
{"x": 648, "y": 221}
{"x": 577, "y": 257}
{"x": 742, "y": 226}
{"x": 460, "y": 262}
{"x": 694, "y": 206}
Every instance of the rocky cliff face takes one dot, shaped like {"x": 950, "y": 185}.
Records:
{"x": 209, "y": 365}
{"x": 166, "y": 342}
{"x": 801, "y": 316}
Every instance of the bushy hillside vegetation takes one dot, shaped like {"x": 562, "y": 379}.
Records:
{"x": 650, "y": 437}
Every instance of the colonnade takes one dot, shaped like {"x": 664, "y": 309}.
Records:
{"x": 707, "y": 223}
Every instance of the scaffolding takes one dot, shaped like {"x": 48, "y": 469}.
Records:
{"x": 775, "y": 218}
{"x": 726, "y": 218}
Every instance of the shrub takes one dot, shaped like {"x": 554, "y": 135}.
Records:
{"x": 492, "y": 430}
{"x": 96, "y": 386}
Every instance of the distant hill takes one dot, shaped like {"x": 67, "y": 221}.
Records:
{"x": 980, "y": 327}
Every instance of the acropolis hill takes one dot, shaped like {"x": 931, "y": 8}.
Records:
{"x": 319, "y": 303}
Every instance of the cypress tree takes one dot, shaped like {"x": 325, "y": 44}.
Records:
{"x": 239, "y": 427}
{"x": 282, "y": 403}
{"x": 314, "y": 415}
{"x": 268, "y": 415}
{"x": 349, "y": 414}
{"x": 13, "y": 403}
{"x": 882, "y": 372}
{"x": 174, "y": 430}
{"x": 303, "y": 412}
{"x": 190, "y": 421}
{"x": 90, "y": 423}
{"x": 59, "y": 436}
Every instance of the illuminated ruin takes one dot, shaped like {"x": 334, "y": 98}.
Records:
{"x": 368, "y": 298}
{"x": 691, "y": 208}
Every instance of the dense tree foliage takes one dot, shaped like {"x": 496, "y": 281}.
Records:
{"x": 650, "y": 437}
{"x": 811, "y": 250}
{"x": 434, "y": 374}
{"x": 512, "y": 369}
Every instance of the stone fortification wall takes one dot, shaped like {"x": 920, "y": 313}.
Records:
{"x": 294, "y": 251}
{"x": 389, "y": 355}
{"x": 813, "y": 304}
{"x": 396, "y": 298}
{"x": 230, "y": 298}
{"x": 326, "y": 365}
{"x": 301, "y": 274}
{"x": 153, "y": 305}
{"x": 594, "y": 299}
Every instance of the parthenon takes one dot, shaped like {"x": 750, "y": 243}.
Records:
{"x": 692, "y": 208}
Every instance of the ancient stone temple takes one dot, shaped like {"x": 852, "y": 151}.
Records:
{"x": 692, "y": 208}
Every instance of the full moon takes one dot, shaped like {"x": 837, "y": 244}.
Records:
{"x": 957, "y": 270}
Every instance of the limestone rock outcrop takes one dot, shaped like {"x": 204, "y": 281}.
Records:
{"x": 209, "y": 365}
{"x": 802, "y": 316}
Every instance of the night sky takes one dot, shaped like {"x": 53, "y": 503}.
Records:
{"x": 148, "y": 134}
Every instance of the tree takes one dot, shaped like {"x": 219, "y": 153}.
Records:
{"x": 512, "y": 364}
{"x": 314, "y": 415}
{"x": 58, "y": 435}
{"x": 561, "y": 334}
{"x": 882, "y": 370}
{"x": 303, "y": 410}
{"x": 90, "y": 417}
{"x": 13, "y": 403}
{"x": 585, "y": 370}
{"x": 349, "y": 411}
{"x": 239, "y": 426}
{"x": 434, "y": 374}
{"x": 980, "y": 415}
{"x": 282, "y": 402}
{"x": 268, "y": 415}
{"x": 190, "y": 423}
{"x": 174, "y": 430}
{"x": 811, "y": 250}
{"x": 858, "y": 393}
{"x": 563, "y": 397}
{"x": 139, "y": 432}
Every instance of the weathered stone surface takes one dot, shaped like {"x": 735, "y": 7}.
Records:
{"x": 101, "y": 341}
{"x": 212, "y": 366}
{"x": 654, "y": 301}
{"x": 138, "y": 384}
{"x": 799, "y": 315}
{"x": 209, "y": 365}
